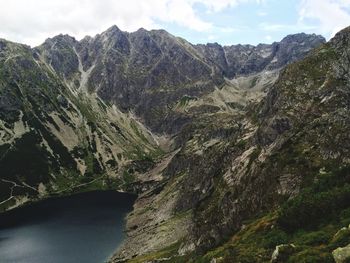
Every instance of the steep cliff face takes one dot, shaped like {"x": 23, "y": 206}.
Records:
{"x": 145, "y": 71}
{"x": 300, "y": 130}
{"x": 242, "y": 133}
{"x": 240, "y": 60}
{"x": 150, "y": 72}
{"x": 291, "y": 149}
{"x": 302, "y": 163}
{"x": 54, "y": 139}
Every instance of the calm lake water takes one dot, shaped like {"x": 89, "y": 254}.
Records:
{"x": 85, "y": 228}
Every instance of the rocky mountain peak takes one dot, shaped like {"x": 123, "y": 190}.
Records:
{"x": 112, "y": 30}
{"x": 138, "y": 70}
{"x": 141, "y": 30}
{"x": 240, "y": 138}
{"x": 342, "y": 38}
{"x": 114, "y": 38}
{"x": 303, "y": 38}
{"x": 113, "y": 33}
{"x": 61, "y": 39}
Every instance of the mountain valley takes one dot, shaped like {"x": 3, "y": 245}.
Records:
{"x": 237, "y": 153}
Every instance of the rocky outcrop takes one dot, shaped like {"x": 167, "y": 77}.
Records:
{"x": 290, "y": 124}
{"x": 342, "y": 254}
{"x": 234, "y": 165}
{"x": 149, "y": 72}
{"x": 56, "y": 137}
{"x": 240, "y": 60}
{"x": 243, "y": 133}
{"x": 282, "y": 252}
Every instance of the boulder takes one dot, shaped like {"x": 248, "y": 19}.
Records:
{"x": 282, "y": 252}
{"x": 341, "y": 254}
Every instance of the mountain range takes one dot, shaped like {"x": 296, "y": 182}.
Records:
{"x": 237, "y": 153}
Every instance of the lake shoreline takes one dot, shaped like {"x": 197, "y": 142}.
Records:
{"x": 94, "y": 219}
{"x": 34, "y": 202}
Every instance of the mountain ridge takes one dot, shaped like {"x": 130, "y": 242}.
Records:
{"x": 219, "y": 145}
{"x": 141, "y": 59}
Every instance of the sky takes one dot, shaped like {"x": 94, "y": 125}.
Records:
{"x": 199, "y": 21}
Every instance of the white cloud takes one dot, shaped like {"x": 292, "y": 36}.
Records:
{"x": 32, "y": 21}
{"x": 325, "y": 17}
{"x": 299, "y": 27}
{"x": 332, "y": 15}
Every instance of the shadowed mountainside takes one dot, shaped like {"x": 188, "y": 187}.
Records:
{"x": 227, "y": 147}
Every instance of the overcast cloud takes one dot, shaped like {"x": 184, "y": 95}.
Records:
{"x": 32, "y": 21}
{"x": 333, "y": 15}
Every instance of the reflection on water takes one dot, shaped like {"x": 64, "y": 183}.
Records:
{"x": 81, "y": 228}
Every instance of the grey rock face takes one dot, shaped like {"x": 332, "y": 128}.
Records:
{"x": 59, "y": 53}
{"x": 148, "y": 72}
{"x": 83, "y": 99}
{"x": 308, "y": 96}
{"x": 51, "y": 132}
{"x": 247, "y": 59}
{"x": 231, "y": 167}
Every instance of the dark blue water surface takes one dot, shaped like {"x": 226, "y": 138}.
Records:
{"x": 85, "y": 228}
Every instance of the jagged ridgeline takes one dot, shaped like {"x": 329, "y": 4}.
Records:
{"x": 56, "y": 138}
{"x": 69, "y": 109}
{"x": 227, "y": 147}
{"x": 268, "y": 183}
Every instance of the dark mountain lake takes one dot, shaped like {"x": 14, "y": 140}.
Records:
{"x": 85, "y": 228}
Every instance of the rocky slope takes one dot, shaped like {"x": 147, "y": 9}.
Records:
{"x": 246, "y": 138}
{"x": 81, "y": 101}
{"x": 149, "y": 72}
{"x": 274, "y": 173}
{"x": 55, "y": 140}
